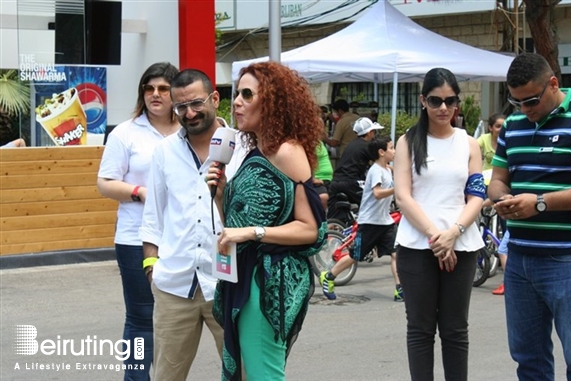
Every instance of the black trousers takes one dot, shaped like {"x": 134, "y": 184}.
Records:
{"x": 436, "y": 299}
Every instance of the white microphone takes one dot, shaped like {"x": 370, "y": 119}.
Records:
{"x": 222, "y": 147}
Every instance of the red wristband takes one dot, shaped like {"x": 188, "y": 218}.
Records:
{"x": 135, "y": 194}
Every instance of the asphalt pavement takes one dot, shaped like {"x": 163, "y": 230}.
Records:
{"x": 360, "y": 336}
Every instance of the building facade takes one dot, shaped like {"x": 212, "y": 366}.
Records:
{"x": 149, "y": 32}
{"x": 487, "y": 27}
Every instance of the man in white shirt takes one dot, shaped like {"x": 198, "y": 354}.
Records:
{"x": 177, "y": 229}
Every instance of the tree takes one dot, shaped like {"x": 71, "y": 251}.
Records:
{"x": 14, "y": 95}
{"x": 14, "y": 102}
{"x": 539, "y": 15}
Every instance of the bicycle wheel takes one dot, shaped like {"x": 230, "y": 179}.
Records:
{"x": 492, "y": 251}
{"x": 482, "y": 267}
{"x": 494, "y": 260}
{"x": 335, "y": 225}
{"x": 323, "y": 260}
{"x": 494, "y": 265}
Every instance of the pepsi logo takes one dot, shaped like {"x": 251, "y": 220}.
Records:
{"x": 94, "y": 101}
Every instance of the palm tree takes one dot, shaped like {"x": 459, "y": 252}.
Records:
{"x": 14, "y": 95}
{"x": 14, "y": 101}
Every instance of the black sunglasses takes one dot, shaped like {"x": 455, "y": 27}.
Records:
{"x": 162, "y": 89}
{"x": 247, "y": 94}
{"x": 529, "y": 102}
{"x": 436, "y": 102}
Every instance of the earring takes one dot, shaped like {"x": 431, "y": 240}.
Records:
{"x": 423, "y": 107}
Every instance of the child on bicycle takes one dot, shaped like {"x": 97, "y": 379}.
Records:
{"x": 375, "y": 224}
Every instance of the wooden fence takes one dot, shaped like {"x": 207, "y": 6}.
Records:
{"x": 49, "y": 200}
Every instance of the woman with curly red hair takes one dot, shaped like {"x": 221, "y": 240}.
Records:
{"x": 274, "y": 215}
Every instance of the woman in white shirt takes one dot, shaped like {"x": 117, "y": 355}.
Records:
{"x": 123, "y": 176}
{"x": 439, "y": 188}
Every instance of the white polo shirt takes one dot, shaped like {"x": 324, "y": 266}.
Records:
{"x": 127, "y": 157}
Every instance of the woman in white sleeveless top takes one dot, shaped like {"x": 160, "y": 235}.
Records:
{"x": 440, "y": 189}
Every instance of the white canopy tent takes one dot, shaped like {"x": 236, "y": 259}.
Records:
{"x": 386, "y": 46}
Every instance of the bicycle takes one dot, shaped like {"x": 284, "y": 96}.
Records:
{"x": 337, "y": 246}
{"x": 497, "y": 231}
{"x": 337, "y": 230}
{"x": 493, "y": 224}
{"x": 487, "y": 256}
{"x": 348, "y": 210}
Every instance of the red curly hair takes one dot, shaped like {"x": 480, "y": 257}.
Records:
{"x": 289, "y": 111}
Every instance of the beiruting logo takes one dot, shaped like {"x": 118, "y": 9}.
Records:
{"x": 26, "y": 344}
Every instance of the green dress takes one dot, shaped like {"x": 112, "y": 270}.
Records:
{"x": 260, "y": 195}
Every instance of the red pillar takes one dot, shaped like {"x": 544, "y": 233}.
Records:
{"x": 196, "y": 37}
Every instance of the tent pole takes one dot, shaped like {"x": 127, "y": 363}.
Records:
{"x": 275, "y": 30}
{"x": 376, "y": 93}
{"x": 394, "y": 106}
{"x": 231, "y": 121}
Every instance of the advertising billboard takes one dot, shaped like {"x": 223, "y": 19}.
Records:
{"x": 70, "y": 102}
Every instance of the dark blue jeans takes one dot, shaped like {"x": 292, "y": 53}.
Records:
{"x": 436, "y": 299}
{"x": 538, "y": 295}
{"x": 139, "y": 310}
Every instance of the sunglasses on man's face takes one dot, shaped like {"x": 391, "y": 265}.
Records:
{"x": 436, "y": 102}
{"x": 529, "y": 102}
{"x": 247, "y": 94}
{"x": 162, "y": 89}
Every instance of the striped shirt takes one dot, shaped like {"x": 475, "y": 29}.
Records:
{"x": 538, "y": 157}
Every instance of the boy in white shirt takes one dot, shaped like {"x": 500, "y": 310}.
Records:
{"x": 376, "y": 226}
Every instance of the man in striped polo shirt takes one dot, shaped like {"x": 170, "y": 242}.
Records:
{"x": 532, "y": 177}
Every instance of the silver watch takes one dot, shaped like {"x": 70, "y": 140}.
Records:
{"x": 540, "y": 204}
{"x": 260, "y": 232}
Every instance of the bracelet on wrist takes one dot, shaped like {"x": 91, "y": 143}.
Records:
{"x": 135, "y": 194}
{"x": 149, "y": 262}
